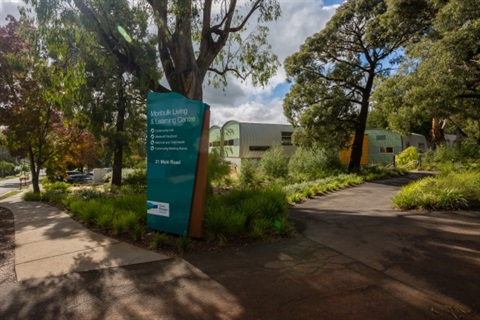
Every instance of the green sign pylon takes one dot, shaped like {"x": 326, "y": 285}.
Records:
{"x": 177, "y": 147}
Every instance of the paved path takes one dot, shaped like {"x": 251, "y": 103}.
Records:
{"x": 322, "y": 274}
{"x": 9, "y": 185}
{"x": 48, "y": 242}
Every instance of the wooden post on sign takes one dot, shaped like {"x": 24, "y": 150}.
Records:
{"x": 195, "y": 227}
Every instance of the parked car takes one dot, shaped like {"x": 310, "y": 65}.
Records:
{"x": 80, "y": 178}
{"x": 73, "y": 172}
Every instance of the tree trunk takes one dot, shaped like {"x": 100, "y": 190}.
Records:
{"x": 438, "y": 136}
{"x": 34, "y": 170}
{"x": 357, "y": 147}
{"x": 119, "y": 143}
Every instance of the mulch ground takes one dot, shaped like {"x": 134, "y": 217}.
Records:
{"x": 7, "y": 247}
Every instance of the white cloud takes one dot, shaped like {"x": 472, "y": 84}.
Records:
{"x": 250, "y": 111}
{"x": 244, "y": 102}
{"x": 241, "y": 100}
{"x": 9, "y": 7}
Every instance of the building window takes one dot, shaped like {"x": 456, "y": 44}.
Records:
{"x": 258, "y": 148}
{"x": 386, "y": 149}
{"x": 382, "y": 137}
{"x": 286, "y": 138}
{"x": 215, "y": 144}
{"x": 231, "y": 142}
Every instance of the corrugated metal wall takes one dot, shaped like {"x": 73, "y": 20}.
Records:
{"x": 346, "y": 153}
{"x": 377, "y": 147}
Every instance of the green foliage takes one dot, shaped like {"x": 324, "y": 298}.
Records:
{"x": 88, "y": 194}
{"x": 56, "y": 186}
{"x": 248, "y": 175}
{"x": 88, "y": 211}
{"x": 105, "y": 218}
{"x": 451, "y": 191}
{"x": 274, "y": 162}
{"x": 159, "y": 240}
{"x": 260, "y": 228}
{"x": 333, "y": 76}
{"x": 246, "y": 211}
{"x": 138, "y": 232}
{"x": 32, "y": 196}
{"x": 218, "y": 169}
{"x": 119, "y": 225}
{"x": 183, "y": 243}
{"x": 54, "y": 196}
{"x": 311, "y": 164}
{"x": 297, "y": 192}
{"x": 136, "y": 178}
{"x": 436, "y": 77}
{"x": 407, "y": 156}
{"x": 6, "y": 168}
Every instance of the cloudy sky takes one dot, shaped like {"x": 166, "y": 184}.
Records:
{"x": 242, "y": 101}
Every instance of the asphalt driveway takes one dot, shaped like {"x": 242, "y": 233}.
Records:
{"x": 356, "y": 258}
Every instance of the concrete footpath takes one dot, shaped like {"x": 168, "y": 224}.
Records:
{"x": 49, "y": 243}
{"x": 335, "y": 269}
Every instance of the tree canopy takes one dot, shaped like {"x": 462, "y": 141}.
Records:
{"x": 440, "y": 75}
{"x": 33, "y": 90}
{"x": 192, "y": 38}
{"x": 334, "y": 72}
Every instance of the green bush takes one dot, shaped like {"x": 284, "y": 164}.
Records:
{"x": 241, "y": 211}
{"x": 159, "y": 240}
{"x": 183, "y": 243}
{"x": 88, "y": 194}
{"x": 138, "y": 177}
{"x": 450, "y": 191}
{"x": 55, "y": 196}
{"x": 248, "y": 176}
{"x": 218, "y": 169}
{"x": 88, "y": 211}
{"x": 310, "y": 164}
{"x": 56, "y": 186}
{"x": 138, "y": 232}
{"x": 274, "y": 162}
{"x": 407, "y": 157}
{"x": 32, "y": 196}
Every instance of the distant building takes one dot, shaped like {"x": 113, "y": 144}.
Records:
{"x": 246, "y": 140}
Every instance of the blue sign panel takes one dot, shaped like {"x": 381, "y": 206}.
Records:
{"x": 173, "y": 140}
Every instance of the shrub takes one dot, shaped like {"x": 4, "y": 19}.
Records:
{"x": 183, "y": 243}
{"x": 450, "y": 191}
{"x": 88, "y": 194}
{"x": 274, "y": 162}
{"x": 310, "y": 164}
{"x": 233, "y": 214}
{"x": 407, "y": 156}
{"x": 132, "y": 202}
{"x": 260, "y": 227}
{"x": 56, "y": 186}
{"x": 137, "y": 177}
{"x": 218, "y": 169}
{"x": 105, "y": 217}
{"x": 54, "y": 196}
{"x": 88, "y": 211}
{"x": 248, "y": 176}
{"x": 119, "y": 225}
{"x": 159, "y": 240}
{"x": 217, "y": 219}
{"x": 32, "y": 196}
{"x": 284, "y": 227}
{"x": 138, "y": 233}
